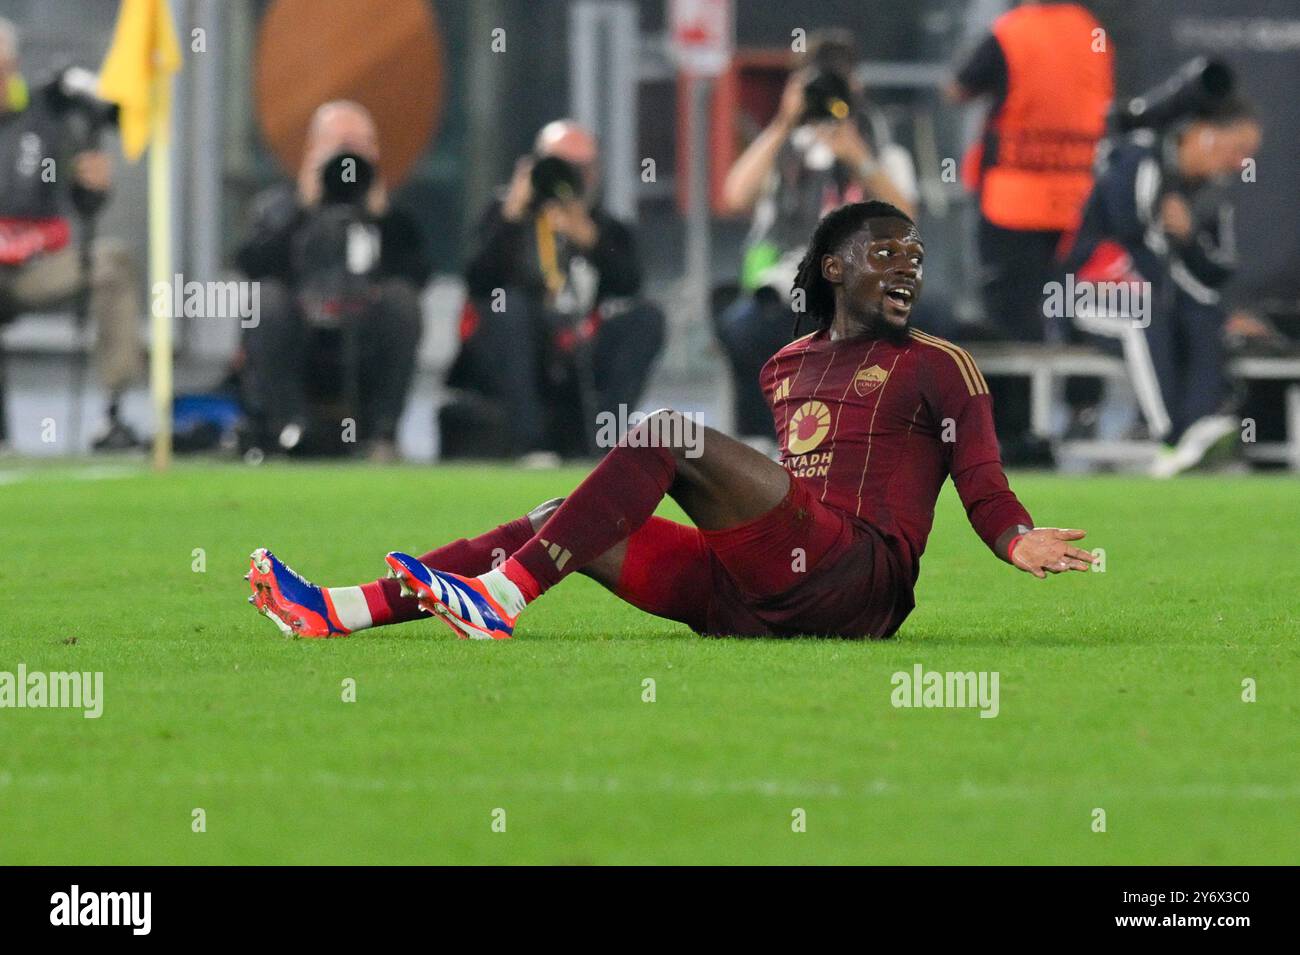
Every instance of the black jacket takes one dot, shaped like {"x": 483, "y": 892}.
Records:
{"x": 507, "y": 256}
{"x": 277, "y": 219}
{"x": 1124, "y": 206}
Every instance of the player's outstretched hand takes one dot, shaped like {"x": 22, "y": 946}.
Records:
{"x": 1047, "y": 550}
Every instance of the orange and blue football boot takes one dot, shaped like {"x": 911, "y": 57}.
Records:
{"x": 464, "y": 603}
{"x": 295, "y": 605}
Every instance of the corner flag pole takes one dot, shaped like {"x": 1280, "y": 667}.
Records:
{"x": 160, "y": 270}
{"x": 137, "y": 76}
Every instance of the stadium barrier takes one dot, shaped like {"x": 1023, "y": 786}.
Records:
{"x": 1047, "y": 366}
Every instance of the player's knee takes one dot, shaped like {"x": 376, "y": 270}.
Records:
{"x": 542, "y": 512}
{"x": 665, "y": 428}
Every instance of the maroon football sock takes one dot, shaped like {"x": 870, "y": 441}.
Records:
{"x": 467, "y": 557}
{"x": 615, "y": 499}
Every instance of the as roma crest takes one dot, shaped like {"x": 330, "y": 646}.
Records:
{"x": 869, "y": 379}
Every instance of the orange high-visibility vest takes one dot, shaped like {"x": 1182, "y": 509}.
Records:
{"x": 1040, "y": 143}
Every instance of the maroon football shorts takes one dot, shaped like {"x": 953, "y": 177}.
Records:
{"x": 803, "y": 568}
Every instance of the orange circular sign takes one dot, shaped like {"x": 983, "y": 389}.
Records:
{"x": 312, "y": 51}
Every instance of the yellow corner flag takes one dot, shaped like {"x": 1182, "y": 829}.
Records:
{"x": 137, "y": 75}
{"x": 137, "y": 70}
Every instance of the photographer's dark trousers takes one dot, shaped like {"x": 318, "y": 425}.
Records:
{"x": 548, "y": 393}
{"x": 623, "y": 353}
{"x": 751, "y": 330}
{"x": 1176, "y": 364}
{"x": 1015, "y": 264}
{"x": 1189, "y": 358}
{"x": 295, "y": 372}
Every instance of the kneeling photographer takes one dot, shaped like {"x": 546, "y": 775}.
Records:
{"x": 556, "y": 330}
{"x": 340, "y": 274}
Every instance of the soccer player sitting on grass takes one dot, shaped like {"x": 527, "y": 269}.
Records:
{"x": 873, "y": 415}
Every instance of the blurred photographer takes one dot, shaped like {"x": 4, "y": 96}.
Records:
{"x": 1159, "y": 219}
{"x": 341, "y": 272}
{"x": 51, "y": 166}
{"x": 825, "y": 147}
{"x": 556, "y": 329}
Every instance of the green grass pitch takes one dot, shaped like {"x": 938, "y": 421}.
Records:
{"x": 1120, "y": 691}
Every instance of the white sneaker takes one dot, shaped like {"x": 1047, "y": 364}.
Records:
{"x": 1203, "y": 434}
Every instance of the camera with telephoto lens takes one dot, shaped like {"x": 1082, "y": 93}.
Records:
{"x": 336, "y": 251}
{"x": 827, "y": 98}
{"x": 1196, "y": 85}
{"x": 72, "y": 95}
{"x": 555, "y": 179}
{"x": 346, "y": 178}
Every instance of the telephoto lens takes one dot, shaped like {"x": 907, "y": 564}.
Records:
{"x": 345, "y": 179}
{"x": 555, "y": 178}
{"x": 827, "y": 97}
{"x": 1197, "y": 82}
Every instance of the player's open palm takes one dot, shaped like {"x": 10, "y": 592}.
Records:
{"x": 1047, "y": 550}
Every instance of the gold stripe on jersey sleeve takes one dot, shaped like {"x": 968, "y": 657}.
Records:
{"x": 960, "y": 353}
{"x": 936, "y": 343}
{"x": 975, "y": 382}
{"x": 976, "y": 378}
{"x": 970, "y": 361}
{"x": 975, "y": 368}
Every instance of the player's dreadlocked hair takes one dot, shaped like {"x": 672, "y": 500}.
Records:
{"x": 835, "y": 227}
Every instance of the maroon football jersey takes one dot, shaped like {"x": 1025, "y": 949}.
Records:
{"x": 874, "y": 427}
